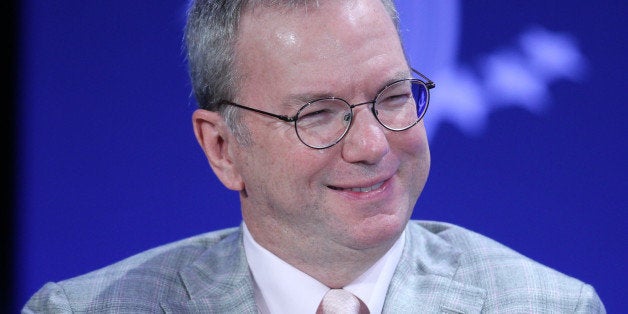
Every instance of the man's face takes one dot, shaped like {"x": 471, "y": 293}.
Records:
{"x": 358, "y": 194}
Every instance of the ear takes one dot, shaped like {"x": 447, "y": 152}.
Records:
{"x": 216, "y": 140}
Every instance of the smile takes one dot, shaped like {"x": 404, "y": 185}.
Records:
{"x": 359, "y": 189}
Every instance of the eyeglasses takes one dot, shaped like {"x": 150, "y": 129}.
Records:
{"x": 323, "y": 122}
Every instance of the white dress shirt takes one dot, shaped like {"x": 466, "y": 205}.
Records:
{"x": 281, "y": 288}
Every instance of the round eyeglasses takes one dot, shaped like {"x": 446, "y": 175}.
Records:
{"x": 321, "y": 123}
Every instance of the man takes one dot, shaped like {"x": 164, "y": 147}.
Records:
{"x": 310, "y": 111}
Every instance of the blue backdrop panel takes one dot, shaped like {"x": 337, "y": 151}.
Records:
{"x": 527, "y": 130}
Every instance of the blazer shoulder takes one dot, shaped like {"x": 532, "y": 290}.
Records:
{"x": 133, "y": 284}
{"x": 510, "y": 279}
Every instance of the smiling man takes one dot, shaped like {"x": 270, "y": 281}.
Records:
{"x": 310, "y": 111}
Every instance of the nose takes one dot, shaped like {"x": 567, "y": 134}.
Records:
{"x": 366, "y": 141}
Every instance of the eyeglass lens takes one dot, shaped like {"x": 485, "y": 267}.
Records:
{"x": 399, "y": 106}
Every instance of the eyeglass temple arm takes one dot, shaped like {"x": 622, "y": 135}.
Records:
{"x": 282, "y": 117}
{"x": 428, "y": 82}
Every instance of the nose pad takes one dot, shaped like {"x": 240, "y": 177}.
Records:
{"x": 366, "y": 140}
{"x": 347, "y": 117}
{"x": 367, "y": 117}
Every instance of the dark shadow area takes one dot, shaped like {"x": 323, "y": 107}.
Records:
{"x": 8, "y": 219}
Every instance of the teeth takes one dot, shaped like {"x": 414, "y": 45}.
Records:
{"x": 367, "y": 189}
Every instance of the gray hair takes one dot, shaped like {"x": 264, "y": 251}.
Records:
{"x": 210, "y": 36}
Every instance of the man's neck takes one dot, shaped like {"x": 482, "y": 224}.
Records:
{"x": 332, "y": 264}
{"x": 281, "y": 287}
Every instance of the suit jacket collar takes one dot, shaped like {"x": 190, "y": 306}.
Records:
{"x": 424, "y": 279}
{"x": 218, "y": 281}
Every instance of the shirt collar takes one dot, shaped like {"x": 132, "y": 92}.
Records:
{"x": 281, "y": 288}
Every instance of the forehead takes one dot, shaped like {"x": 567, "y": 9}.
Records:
{"x": 314, "y": 48}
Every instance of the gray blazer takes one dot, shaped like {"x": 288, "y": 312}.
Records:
{"x": 443, "y": 269}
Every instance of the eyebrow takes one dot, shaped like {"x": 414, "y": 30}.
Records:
{"x": 400, "y": 76}
{"x": 302, "y": 99}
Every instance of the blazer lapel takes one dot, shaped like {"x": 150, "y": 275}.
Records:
{"x": 219, "y": 281}
{"x": 424, "y": 279}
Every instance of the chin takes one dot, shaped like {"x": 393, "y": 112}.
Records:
{"x": 378, "y": 231}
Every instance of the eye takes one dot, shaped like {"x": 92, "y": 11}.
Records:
{"x": 392, "y": 101}
{"x": 316, "y": 116}
{"x": 322, "y": 111}
{"x": 312, "y": 114}
{"x": 396, "y": 95}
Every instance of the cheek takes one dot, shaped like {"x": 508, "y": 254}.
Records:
{"x": 414, "y": 143}
{"x": 416, "y": 154}
{"x": 284, "y": 164}
{"x": 303, "y": 167}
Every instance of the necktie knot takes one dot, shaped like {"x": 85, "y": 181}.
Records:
{"x": 340, "y": 301}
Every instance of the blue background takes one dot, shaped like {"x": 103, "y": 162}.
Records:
{"x": 109, "y": 166}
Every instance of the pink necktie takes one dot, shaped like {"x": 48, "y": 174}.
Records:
{"x": 339, "y": 301}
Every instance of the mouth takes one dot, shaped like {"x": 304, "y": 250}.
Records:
{"x": 359, "y": 189}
